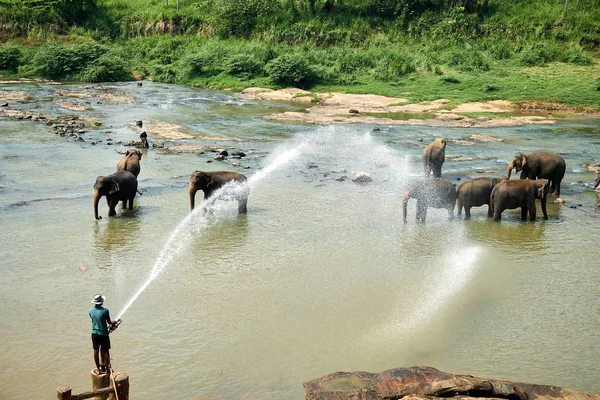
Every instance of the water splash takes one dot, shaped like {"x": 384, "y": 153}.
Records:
{"x": 457, "y": 270}
{"x": 180, "y": 237}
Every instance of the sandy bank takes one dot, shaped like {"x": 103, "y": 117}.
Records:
{"x": 340, "y": 108}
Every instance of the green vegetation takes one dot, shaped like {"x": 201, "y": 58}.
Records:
{"x": 461, "y": 50}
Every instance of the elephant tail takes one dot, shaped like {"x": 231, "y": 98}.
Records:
{"x": 138, "y": 192}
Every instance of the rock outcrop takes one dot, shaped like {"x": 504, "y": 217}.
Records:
{"x": 426, "y": 383}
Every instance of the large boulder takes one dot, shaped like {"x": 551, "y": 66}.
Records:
{"x": 426, "y": 383}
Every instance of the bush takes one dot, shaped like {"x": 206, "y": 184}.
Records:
{"x": 9, "y": 58}
{"x": 292, "y": 68}
{"x": 597, "y": 84}
{"x": 107, "y": 68}
{"x": 449, "y": 79}
{"x": 468, "y": 60}
{"x": 56, "y": 61}
{"x": 243, "y": 64}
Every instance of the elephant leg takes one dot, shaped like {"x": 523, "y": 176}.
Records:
{"x": 524, "y": 213}
{"x": 131, "y": 202}
{"x": 420, "y": 210}
{"x": 451, "y": 212}
{"x": 459, "y": 207}
{"x": 242, "y": 206}
{"x": 497, "y": 212}
{"x": 112, "y": 205}
{"x": 557, "y": 187}
{"x": 490, "y": 211}
{"x": 467, "y": 212}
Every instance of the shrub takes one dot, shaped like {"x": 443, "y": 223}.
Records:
{"x": 490, "y": 88}
{"x": 292, "y": 68}
{"x": 468, "y": 60}
{"x": 597, "y": 84}
{"x": 107, "y": 68}
{"x": 243, "y": 64}
{"x": 56, "y": 61}
{"x": 9, "y": 58}
{"x": 449, "y": 79}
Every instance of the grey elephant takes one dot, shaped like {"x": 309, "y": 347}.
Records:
{"x": 430, "y": 192}
{"x": 434, "y": 156}
{"x": 130, "y": 162}
{"x": 119, "y": 186}
{"x": 474, "y": 193}
{"x": 519, "y": 193}
{"x": 540, "y": 164}
{"x": 209, "y": 182}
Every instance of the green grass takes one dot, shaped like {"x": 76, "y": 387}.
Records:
{"x": 518, "y": 51}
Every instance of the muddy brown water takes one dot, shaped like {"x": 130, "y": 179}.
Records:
{"x": 320, "y": 275}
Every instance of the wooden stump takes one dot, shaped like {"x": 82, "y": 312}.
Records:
{"x": 121, "y": 381}
{"x": 99, "y": 382}
{"x": 63, "y": 393}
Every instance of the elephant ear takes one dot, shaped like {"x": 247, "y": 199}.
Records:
{"x": 114, "y": 187}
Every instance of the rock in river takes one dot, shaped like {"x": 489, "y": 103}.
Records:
{"x": 426, "y": 383}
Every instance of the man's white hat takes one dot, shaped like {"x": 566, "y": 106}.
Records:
{"x": 98, "y": 299}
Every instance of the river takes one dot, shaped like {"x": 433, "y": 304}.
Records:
{"x": 320, "y": 276}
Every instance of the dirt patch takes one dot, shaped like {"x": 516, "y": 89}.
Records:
{"x": 14, "y": 95}
{"x": 109, "y": 95}
{"x": 71, "y": 105}
{"x": 553, "y": 107}
{"x": 339, "y": 108}
{"x": 166, "y": 130}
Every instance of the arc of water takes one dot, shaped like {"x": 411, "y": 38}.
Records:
{"x": 177, "y": 241}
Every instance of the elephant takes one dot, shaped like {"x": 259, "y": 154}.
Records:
{"x": 209, "y": 182}
{"x": 539, "y": 164}
{"x": 597, "y": 183}
{"x": 130, "y": 162}
{"x": 430, "y": 192}
{"x": 434, "y": 156}
{"x": 119, "y": 186}
{"x": 474, "y": 193}
{"x": 522, "y": 193}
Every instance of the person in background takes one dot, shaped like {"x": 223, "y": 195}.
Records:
{"x": 100, "y": 341}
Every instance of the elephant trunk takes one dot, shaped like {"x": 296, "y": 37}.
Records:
{"x": 511, "y": 166}
{"x": 193, "y": 191}
{"x": 97, "y": 197}
{"x": 404, "y": 205}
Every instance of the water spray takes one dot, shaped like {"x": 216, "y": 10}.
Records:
{"x": 178, "y": 241}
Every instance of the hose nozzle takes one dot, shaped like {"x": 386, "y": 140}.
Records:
{"x": 114, "y": 326}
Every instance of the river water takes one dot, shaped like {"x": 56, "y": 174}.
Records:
{"x": 320, "y": 276}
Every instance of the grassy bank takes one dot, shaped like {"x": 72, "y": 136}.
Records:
{"x": 419, "y": 49}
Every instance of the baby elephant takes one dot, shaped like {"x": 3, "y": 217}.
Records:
{"x": 209, "y": 182}
{"x": 522, "y": 193}
{"x": 433, "y": 157}
{"x": 474, "y": 193}
{"x": 430, "y": 192}
{"x": 120, "y": 186}
{"x": 130, "y": 162}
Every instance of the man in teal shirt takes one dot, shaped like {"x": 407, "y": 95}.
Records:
{"x": 100, "y": 340}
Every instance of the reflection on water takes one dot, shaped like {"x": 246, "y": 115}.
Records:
{"x": 321, "y": 275}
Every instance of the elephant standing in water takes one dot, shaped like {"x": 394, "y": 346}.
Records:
{"x": 540, "y": 164}
{"x": 519, "y": 193}
{"x": 474, "y": 193}
{"x": 430, "y": 192}
{"x": 130, "y": 162}
{"x": 120, "y": 186}
{"x": 434, "y": 156}
{"x": 209, "y": 182}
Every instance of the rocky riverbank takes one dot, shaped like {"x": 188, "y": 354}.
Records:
{"x": 340, "y": 108}
{"x": 426, "y": 383}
